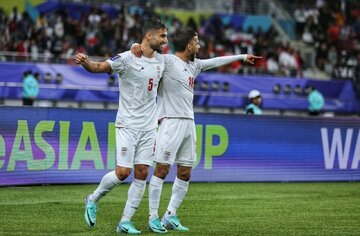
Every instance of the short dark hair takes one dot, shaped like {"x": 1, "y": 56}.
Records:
{"x": 182, "y": 38}
{"x": 152, "y": 24}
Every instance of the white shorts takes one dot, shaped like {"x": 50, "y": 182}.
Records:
{"x": 134, "y": 147}
{"x": 176, "y": 142}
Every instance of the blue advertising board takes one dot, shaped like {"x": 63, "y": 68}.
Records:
{"x": 53, "y": 145}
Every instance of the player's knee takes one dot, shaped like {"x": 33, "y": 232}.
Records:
{"x": 122, "y": 173}
{"x": 184, "y": 173}
{"x": 161, "y": 172}
{"x": 141, "y": 172}
{"x": 184, "y": 176}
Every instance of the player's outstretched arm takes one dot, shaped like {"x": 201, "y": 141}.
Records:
{"x": 92, "y": 66}
{"x": 224, "y": 60}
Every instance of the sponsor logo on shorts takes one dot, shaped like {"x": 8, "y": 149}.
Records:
{"x": 124, "y": 151}
{"x": 167, "y": 155}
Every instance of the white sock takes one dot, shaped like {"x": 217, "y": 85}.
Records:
{"x": 179, "y": 190}
{"x": 135, "y": 194}
{"x": 108, "y": 182}
{"x": 155, "y": 187}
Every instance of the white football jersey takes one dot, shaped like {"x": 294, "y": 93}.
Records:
{"x": 138, "y": 84}
{"x": 176, "y": 90}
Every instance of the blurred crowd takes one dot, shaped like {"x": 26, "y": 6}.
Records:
{"x": 331, "y": 29}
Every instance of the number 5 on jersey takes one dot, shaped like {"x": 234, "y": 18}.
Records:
{"x": 150, "y": 85}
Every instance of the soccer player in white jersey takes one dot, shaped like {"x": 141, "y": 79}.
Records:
{"x": 136, "y": 120}
{"x": 176, "y": 140}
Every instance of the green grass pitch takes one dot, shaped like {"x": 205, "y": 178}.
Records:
{"x": 208, "y": 209}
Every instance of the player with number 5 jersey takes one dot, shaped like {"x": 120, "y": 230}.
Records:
{"x": 136, "y": 121}
{"x": 138, "y": 84}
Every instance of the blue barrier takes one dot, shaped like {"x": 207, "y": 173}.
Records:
{"x": 51, "y": 145}
{"x": 339, "y": 95}
{"x": 80, "y": 85}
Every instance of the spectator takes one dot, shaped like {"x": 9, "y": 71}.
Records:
{"x": 309, "y": 28}
{"x": 325, "y": 16}
{"x": 357, "y": 77}
{"x": 271, "y": 64}
{"x": 345, "y": 69}
{"x": 334, "y": 32}
{"x": 41, "y": 22}
{"x": 192, "y": 24}
{"x": 59, "y": 28}
{"x": 15, "y": 15}
{"x": 316, "y": 102}
{"x": 57, "y": 48}
{"x": 332, "y": 55}
{"x": 30, "y": 89}
{"x": 94, "y": 17}
{"x": 287, "y": 61}
{"x": 254, "y": 106}
{"x": 34, "y": 51}
{"x": 300, "y": 18}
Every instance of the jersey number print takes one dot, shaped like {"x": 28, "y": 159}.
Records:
{"x": 191, "y": 82}
{"x": 150, "y": 85}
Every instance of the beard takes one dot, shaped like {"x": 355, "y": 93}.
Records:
{"x": 156, "y": 48}
{"x": 192, "y": 56}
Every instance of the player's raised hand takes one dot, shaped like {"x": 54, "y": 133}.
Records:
{"x": 81, "y": 58}
{"x": 136, "y": 50}
{"x": 251, "y": 58}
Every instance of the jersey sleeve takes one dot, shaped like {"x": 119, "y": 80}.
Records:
{"x": 218, "y": 61}
{"x": 120, "y": 62}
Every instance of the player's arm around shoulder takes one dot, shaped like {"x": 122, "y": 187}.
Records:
{"x": 92, "y": 66}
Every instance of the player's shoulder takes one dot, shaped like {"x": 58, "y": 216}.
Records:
{"x": 168, "y": 57}
{"x": 163, "y": 57}
{"x": 121, "y": 56}
{"x": 197, "y": 61}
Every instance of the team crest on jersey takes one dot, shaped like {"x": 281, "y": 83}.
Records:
{"x": 115, "y": 57}
{"x": 167, "y": 155}
{"x": 124, "y": 151}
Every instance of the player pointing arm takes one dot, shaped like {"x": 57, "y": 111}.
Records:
{"x": 208, "y": 64}
{"x": 176, "y": 140}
